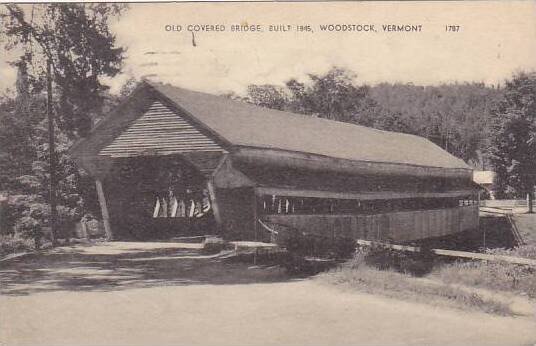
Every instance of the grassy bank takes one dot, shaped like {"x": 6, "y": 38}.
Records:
{"x": 475, "y": 285}
{"x": 494, "y": 276}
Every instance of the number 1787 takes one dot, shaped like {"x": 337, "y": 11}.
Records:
{"x": 452, "y": 28}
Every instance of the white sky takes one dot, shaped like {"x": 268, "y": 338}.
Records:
{"x": 496, "y": 39}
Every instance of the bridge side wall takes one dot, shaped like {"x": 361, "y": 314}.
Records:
{"x": 400, "y": 227}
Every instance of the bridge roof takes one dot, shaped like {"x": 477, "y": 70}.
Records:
{"x": 244, "y": 124}
{"x": 235, "y": 124}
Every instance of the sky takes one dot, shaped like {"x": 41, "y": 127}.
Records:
{"x": 495, "y": 40}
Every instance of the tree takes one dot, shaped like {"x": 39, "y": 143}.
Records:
{"x": 513, "y": 150}
{"x": 68, "y": 47}
{"x": 76, "y": 40}
{"x": 454, "y": 116}
{"x": 24, "y": 157}
{"x": 334, "y": 95}
{"x": 268, "y": 96}
{"x": 19, "y": 118}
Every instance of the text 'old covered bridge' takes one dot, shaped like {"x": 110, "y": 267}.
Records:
{"x": 170, "y": 161}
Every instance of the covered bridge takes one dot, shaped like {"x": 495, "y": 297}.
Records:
{"x": 170, "y": 161}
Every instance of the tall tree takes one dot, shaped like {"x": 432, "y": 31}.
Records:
{"x": 513, "y": 150}
{"x": 19, "y": 116}
{"x": 75, "y": 39}
{"x": 68, "y": 47}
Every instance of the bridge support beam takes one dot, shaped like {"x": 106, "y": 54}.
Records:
{"x": 104, "y": 210}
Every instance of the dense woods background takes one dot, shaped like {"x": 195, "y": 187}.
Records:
{"x": 490, "y": 127}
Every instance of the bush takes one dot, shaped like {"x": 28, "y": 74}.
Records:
{"x": 418, "y": 264}
{"x": 310, "y": 254}
{"x": 303, "y": 244}
{"x": 29, "y": 227}
{"x": 30, "y": 214}
{"x": 212, "y": 245}
{"x": 13, "y": 243}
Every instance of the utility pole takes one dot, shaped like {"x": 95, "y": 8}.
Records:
{"x": 52, "y": 158}
{"x": 530, "y": 201}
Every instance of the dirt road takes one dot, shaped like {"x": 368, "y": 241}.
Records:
{"x": 210, "y": 309}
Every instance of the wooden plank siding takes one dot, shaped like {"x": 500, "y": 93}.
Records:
{"x": 160, "y": 131}
{"x": 364, "y": 196}
{"x": 403, "y": 226}
{"x": 237, "y": 212}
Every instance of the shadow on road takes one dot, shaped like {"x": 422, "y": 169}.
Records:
{"x": 117, "y": 266}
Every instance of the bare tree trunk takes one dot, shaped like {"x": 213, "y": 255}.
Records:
{"x": 52, "y": 159}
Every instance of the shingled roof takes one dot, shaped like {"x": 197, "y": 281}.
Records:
{"x": 238, "y": 125}
{"x": 243, "y": 124}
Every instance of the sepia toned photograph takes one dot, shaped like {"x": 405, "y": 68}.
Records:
{"x": 268, "y": 173}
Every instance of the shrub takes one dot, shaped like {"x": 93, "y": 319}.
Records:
{"x": 310, "y": 254}
{"x": 29, "y": 227}
{"x": 304, "y": 244}
{"x": 12, "y": 243}
{"x": 212, "y": 245}
{"x": 383, "y": 258}
{"x": 30, "y": 214}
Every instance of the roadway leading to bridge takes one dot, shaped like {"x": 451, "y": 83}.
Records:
{"x": 172, "y": 294}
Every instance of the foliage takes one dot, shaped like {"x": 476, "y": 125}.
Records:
{"x": 310, "y": 253}
{"x": 417, "y": 264}
{"x": 268, "y": 96}
{"x": 319, "y": 246}
{"x": 514, "y": 138}
{"x": 490, "y": 275}
{"x": 454, "y": 116}
{"x": 18, "y": 118}
{"x": 76, "y": 40}
{"x": 26, "y": 175}
{"x": 458, "y": 283}
{"x": 334, "y": 95}
{"x": 525, "y": 251}
{"x": 13, "y": 243}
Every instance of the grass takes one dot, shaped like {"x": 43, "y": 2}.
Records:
{"x": 526, "y": 223}
{"x": 448, "y": 284}
{"x": 526, "y": 251}
{"x": 403, "y": 286}
{"x": 495, "y": 276}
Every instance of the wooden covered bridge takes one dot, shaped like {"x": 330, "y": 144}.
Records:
{"x": 170, "y": 161}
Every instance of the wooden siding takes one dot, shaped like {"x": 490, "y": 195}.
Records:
{"x": 237, "y": 211}
{"x": 365, "y": 196}
{"x": 160, "y": 131}
{"x": 398, "y": 227}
